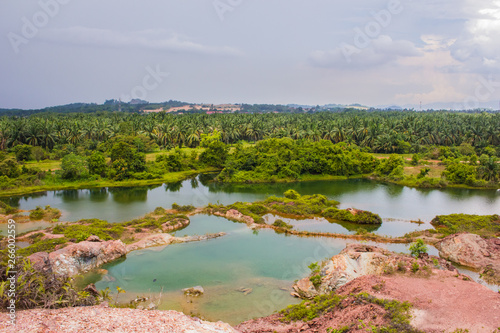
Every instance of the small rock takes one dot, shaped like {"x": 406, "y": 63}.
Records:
{"x": 91, "y": 289}
{"x": 108, "y": 278}
{"x": 94, "y": 238}
{"x": 151, "y": 306}
{"x": 194, "y": 291}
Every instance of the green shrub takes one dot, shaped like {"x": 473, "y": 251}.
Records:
{"x": 418, "y": 248}
{"x": 37, "y": 214}
{"x": 6, "y": 209}
{"x": 160, "y": 211}
{"x": 291, "y": 194}
{"x": 315, "y": 276}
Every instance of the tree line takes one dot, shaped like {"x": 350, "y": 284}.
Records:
{"x": 383, "y": 132}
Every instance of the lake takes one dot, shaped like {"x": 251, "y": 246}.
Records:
{"x": 263, "y": 261}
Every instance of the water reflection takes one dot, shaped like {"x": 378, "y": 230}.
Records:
{"x": 98, "y": 195}
{"x": 387, "y": 200}
{"x": 129, "y": 194}
{"x": 69, "y": 195}
{"x": 173, "y": 187}
{"x": 194, "y": 183}
{"x": 394, "y": 191}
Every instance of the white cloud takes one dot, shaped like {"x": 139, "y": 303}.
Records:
{"x": 478, "y": 47}
{"x": 381, "y": 50}
{"x": 159, "y": 40}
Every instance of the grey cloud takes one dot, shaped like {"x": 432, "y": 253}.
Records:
{"x": 381, "y": 51}
{"x": 158, "y": 39}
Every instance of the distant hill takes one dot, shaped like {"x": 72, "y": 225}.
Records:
{"x": 109, "y": 106}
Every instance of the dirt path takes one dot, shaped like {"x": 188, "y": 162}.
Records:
{"x": 441, "y": 302}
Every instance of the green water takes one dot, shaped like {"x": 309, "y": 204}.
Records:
{"x": 264, "y": 261}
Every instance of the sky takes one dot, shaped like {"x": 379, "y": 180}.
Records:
{"x": 372, "y": 52}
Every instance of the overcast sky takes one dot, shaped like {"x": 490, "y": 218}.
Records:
{"x": 373, "y": 52}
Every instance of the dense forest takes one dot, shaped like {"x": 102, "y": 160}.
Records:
{"x": 387, "y": 132}
{"x": 250, "y": 147}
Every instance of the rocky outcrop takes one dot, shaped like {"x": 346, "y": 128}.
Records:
{"x": 199, "y": 238}
{"x": 104, "y": 319}
{"x": 175, "y": 225}
{"x": 85, "y": 256}
{"x": 235, "y": 215}
{"x": 473, "y": 251}
{"x": 152, "y": 240}
{"x": 79, "y": 258}
{"x": 357, "y": 260}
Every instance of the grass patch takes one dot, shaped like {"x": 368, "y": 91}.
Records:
{"x": 282, "y": 224}
{"x": 45, "y": 165}
{"x": 48, "y": 213}
{"x": 483, "y": 225}
{"x": 83, "y": 229}
{"x": 186, "y": 208}
{"x": 353, "y": 216}
{"x": 47, "y": 245}
{"x": 397, "y": 313}
{"x": 6, "y": 209}
{"x": 308, "y": 310}
{"x": 295, "y": 204}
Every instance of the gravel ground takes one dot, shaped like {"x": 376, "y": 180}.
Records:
{"x": 105, "y": 319}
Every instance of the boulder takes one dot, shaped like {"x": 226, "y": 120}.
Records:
{"x": 469, "y": 250}
{"x": 94, "y": 238}
{"x": 92, "y": 290}
{"x": 305, "y": 289}
{"x": 473, "y": 251}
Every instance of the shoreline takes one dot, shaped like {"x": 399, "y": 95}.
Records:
{"x": 183, "y": 175}
{"x": 173, "y": 177}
